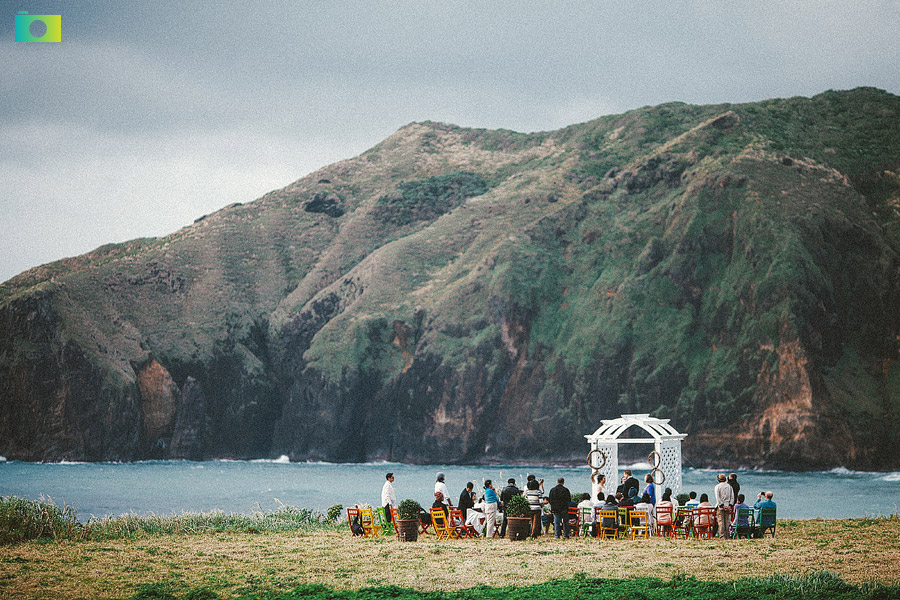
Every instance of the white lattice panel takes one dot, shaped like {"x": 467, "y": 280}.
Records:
{"x": 670, "y": 452}
{"x": 611, "y": 469}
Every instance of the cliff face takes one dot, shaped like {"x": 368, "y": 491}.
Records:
{"x": 457, "y": 295}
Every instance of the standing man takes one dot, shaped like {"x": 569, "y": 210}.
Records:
{"x": 505, "y": 496}
{"x": 440, "y": 486}
{"x": 388, "y": 497}
{"x": 559, "y": 506}
{"x": 724, "y": 501}
{"x": 733, "y": 482}
{"x": 467, "y": 500}
{"x": 491, "y": 502}
{"x": 628, "y": 483}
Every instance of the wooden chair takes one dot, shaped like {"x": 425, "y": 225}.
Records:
{"x": 704, "y": 522}
{"x": 665, "y": 524}
{"x": 684, "y": 521}
{"x": 766, "y": 521}
{"x": 394, "y": 521}
{"x": 587, "y": 515}
{"x": 623, "y": 519}
{"x": 608, "y": 524}
{"x": 639, "y": 524}
{"x": 441, "y": 525}
{"x": 458, "y": 523}
{"x": 574, "y": 520}
{"x": 352, "y": 515}
{"x": 387, "y": 526}
{"x": 371, "y": 529}
{"x": 743, "y": 524}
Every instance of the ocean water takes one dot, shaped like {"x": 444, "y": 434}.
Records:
{"x": 172, "y": 487}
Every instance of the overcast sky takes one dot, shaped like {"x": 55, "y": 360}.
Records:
{"x": 150, "y": 114}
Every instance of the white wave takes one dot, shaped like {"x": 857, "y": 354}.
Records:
{"x": 284, "y": 459}
{"x": 2, "y": 459}
{"x": 895, "y": 476}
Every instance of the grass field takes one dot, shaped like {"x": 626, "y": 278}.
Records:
{"x": 806, "y": 559}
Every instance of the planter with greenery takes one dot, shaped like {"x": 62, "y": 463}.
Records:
{"x": 408, "y": 520}
{"x": 518, "y": 518}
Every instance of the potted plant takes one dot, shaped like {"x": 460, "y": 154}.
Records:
{"x": 518, "y": 518}
{"x": 408, "y": 520}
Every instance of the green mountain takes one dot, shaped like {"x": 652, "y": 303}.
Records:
{"x": 465, "y": 295}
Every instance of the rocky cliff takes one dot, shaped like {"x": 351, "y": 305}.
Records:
{"x": 460, "y": 295}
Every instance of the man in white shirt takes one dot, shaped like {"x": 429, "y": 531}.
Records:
{"x": 440, "y": 486}
{"x": 388, "y": 497}
{"x": 724, "y": 501}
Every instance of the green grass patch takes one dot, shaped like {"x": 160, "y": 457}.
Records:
{"x": 813, "y": 586}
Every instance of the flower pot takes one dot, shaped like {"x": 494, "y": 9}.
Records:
{"x": 518, "y": 528}
{"x": 408, "y": 530}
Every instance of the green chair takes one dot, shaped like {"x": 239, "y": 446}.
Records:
{"x": 387, "y": 525}
{"x": 766, "y": 521}
{"x": 743, "y": 525}
{"x": 586, "y": 524}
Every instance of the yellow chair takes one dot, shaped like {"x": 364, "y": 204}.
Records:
{"x": 441, "y": 526}
{"x": 608, "y": 524}
{"x": 371, "y": 529}
{"x": 639, "y": 524}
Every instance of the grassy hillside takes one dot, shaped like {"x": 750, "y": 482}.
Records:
{"x": 461, "y": 295}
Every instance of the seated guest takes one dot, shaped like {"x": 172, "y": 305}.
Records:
{"x": 475, "y": 517}
{"x": 588, "y": 515}
{"x": 692, "y": 500}
{"x": 743, "y": 522}
{"x": 622, "y": 501}
{"x": 645, "y": 504}
{"x": 763, "y": 500}
{"x": 610, "y": 504}
{"x": 439, "y": 503}
{"x": 665, "y": 509}
{"x": 703, "y": 520}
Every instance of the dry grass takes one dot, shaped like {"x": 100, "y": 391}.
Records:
{"x": 859, "y": 551}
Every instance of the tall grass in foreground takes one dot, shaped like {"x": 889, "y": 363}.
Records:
{"x": 22, "y": 520}
{"x": 820, "y": 585}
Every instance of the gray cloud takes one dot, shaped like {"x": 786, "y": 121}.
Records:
{"x": 151, "y": 114}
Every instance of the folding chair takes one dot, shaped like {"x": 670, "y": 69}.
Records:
{"x": 704, "y": 522}
{"x": 665, "y": 524}
{"x": 639, "y": 524}
{"x": 371, "y": 529}
{"x": 384, "y": 521}
{"x": 684, "y": 521}
{"x": 586, "y": 518}
{"x": 608, "y": 524}
{"x": 766, "y": 521}
{"x": 458, "y": 523}
{"x": 441, "y": 525}
{"x": 743, "y": 524}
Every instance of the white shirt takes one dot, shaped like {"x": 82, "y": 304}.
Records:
{"x": 440, "y": 486}
{"x": 387, "y": 495}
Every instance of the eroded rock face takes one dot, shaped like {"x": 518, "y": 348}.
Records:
{"x": 159, "y": 396}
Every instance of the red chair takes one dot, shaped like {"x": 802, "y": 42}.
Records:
{"x": 704, "y": 522}
{"x": 665, "y": 524}
{"x": 459, "y": 524}
{"x": 574, "y": 520}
